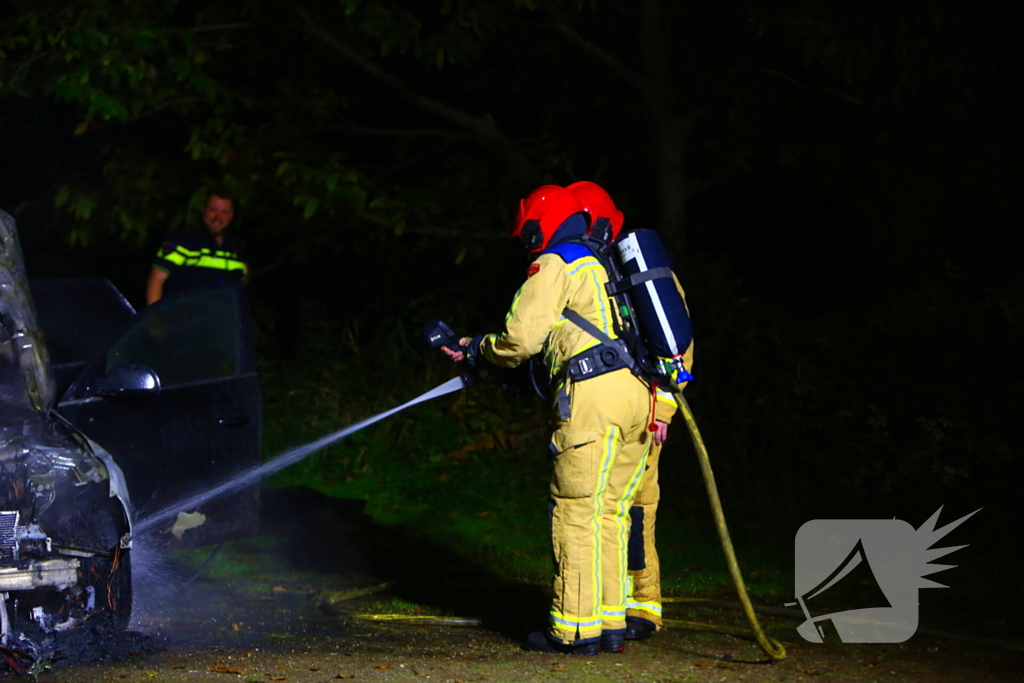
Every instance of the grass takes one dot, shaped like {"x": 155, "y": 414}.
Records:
{"x": 238, "y": 559}
{"x": 491, "y": 506}
{"x": 470, "y": 471}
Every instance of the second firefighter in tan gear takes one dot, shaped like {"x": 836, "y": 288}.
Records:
{"x": 644, "y": 592}
{"x": 600, "y": 443}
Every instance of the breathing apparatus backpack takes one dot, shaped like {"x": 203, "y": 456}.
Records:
{"x": 654, "y": 327}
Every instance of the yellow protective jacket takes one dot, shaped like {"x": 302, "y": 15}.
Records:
{"x": 535, "y": 324}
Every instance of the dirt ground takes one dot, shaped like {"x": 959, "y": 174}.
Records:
{"x": 221, "y": 630}
{"x": 271, "y": 609}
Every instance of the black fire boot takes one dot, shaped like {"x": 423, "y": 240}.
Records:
{"x": 539, "y": 641}
{"x": 613, "y": 642}
{"x": 638, "y": 628}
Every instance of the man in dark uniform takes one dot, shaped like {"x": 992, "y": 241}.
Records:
{"x": 200, "y": 257}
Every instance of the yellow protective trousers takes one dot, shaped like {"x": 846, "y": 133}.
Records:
{"x": 644, "y": 592}
{"x": 600, "y": 455}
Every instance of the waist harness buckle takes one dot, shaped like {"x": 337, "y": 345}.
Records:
{"x": 595, "y": 362}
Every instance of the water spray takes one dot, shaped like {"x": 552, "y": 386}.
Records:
{"x": 254, "y": 474}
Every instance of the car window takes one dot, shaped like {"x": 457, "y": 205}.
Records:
{"x": 187, "y": 339}
{"x": 79, "y": 317}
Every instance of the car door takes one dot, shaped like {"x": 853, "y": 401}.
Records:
{"x": 79, "y": 318}
{"x": 194, "y": 418}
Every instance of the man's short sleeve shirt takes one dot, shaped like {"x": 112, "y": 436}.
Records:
{"x": 194, "y": 260}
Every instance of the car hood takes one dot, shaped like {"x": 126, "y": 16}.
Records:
{"x": 26, "y": 378}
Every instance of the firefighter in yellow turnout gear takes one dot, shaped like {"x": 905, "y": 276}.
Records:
{"x": 601, "y": 440}
{"x": 643, "y": 604}
{"x": 600, "y": 443}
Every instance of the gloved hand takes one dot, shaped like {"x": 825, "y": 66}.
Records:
{"x": 471, "y": 347}
{"x": 469, "y": 350}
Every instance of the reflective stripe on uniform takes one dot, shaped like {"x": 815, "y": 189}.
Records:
{"x": 613, "y": 612}
{"x": 513, "y": 307}
{"x": 607, "y": 458}
{"x": 592, "y": 269}
{"x": 204, "y": 258}
{"x": 220, "y": 263}
{"x": 652, "y": 607}
{"x": 173, "y": 257}
{"x": 583, "y": 624}
{"x": 622, "y": 520}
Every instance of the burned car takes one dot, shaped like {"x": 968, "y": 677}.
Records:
{"x": 161, "y": 404}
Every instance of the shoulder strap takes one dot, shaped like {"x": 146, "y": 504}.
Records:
{"x": 595, "y": 332}
{"x": 587, "y": 326}
{"x": 625, "y": 283}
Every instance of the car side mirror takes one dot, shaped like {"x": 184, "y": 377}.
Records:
{"x": 127, "y": 380}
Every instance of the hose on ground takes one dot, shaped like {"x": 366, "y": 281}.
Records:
{"x": 771, "y": 647}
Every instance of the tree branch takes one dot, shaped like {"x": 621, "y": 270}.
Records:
{"x": 221, "y": 27}
{"x": 441, "y": 231}
{"x": 482, "y": 126}
{"x": 652, "y": 43}
{"x": 805, "y": 86}
{"x": 169, "y": 103}
{"x": 401, "y": 132}
{"x": 634, "y": 78}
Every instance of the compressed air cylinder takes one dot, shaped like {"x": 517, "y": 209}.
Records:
{"x": 660, "y": 311}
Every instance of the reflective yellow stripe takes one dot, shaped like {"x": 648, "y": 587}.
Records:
{"x": 602, "y": 305}
{"x": 666, "y": 397}
{"x": 584, "y": 264}
{"x": 591, "y": 268}
{"x": 652, "y": 607}
{"x": 619, "y": 611}
{"x": 204, "y": 258}
{"x": 173, "y": 257}
{"x": 584, "y": 624}
{"x": 219, "y": 263}
{"x": 602, "y": 485}
{"x": 515, "y": 304}
{"x": 622, "y": 519}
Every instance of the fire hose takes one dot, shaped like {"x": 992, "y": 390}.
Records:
{"x": 438, "y": 334}
{"x": 771, "y": 647}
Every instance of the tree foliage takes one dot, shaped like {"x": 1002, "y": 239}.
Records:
{"x": 433, "y": 118}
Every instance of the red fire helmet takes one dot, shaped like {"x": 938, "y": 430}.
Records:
{"x": 540, "y": 214}
{"x": 605, "y": 220}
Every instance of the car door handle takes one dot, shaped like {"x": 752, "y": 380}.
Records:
{"x": 234, "y": 420}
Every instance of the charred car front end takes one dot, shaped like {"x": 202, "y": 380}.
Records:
{"x": 64, "y": 532}
{"x": 170, "y": 391}
{"x": 65, "y": 520}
